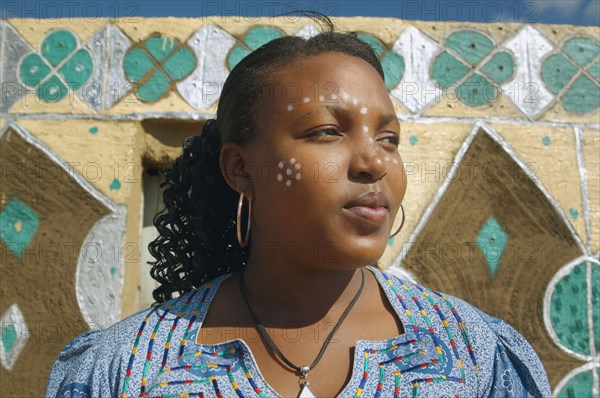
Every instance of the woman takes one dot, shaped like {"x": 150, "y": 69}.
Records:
{"x": 272, "y": 218}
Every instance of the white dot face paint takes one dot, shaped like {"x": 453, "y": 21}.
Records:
{"x": 345, "y": 96}
{"x": 354, "y": 101}
{"x": 289, "y": 171}
{"x": 366, "y": 129}
{"x": 306, "y": 100}
{"x": 363, "y": 110}
{"x": 395, "y": 161}
{"x": 290, "y": 108}
{"x": 321, "y": 98}
{"x": 387, "y": 159}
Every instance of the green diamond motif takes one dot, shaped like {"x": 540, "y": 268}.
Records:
{"x": 9, "y": 337}
{"x": 18, "y": 225}
{"x": 491, "y": 240}
{"x": 13, "y": 336}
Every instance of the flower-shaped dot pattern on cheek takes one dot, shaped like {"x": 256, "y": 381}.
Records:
{"x": 289, "y": 172}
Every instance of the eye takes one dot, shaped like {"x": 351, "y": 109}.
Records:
{"x": 392, "y": 139}
{"x": 327, "y": 131}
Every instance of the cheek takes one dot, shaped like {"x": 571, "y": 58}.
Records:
{"x": 401, "y": 179}
{"x": 288, "y": 172}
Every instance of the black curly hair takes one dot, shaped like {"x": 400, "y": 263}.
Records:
{"x": 197, "y": 233}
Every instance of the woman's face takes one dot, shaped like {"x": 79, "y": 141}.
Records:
{"x": 327, "y": 133}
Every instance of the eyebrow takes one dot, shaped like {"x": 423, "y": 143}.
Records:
{"x": 342, "y": 112}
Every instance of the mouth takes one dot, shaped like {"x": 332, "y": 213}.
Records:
{"x": 371, "y": 206}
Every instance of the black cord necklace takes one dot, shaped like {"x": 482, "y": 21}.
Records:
{"x": 304, "y": 369}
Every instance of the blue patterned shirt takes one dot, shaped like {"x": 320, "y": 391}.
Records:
{"x": 449, "y": 349}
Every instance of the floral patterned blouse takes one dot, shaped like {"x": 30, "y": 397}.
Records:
{"x": 449, "y": 349}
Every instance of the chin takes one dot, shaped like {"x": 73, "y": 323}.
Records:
{"x": 362, "y": 256}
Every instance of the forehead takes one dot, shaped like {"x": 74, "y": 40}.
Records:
{"x": 322, "y": 80}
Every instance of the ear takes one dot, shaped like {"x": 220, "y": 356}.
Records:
{"x": 233, "y": 164}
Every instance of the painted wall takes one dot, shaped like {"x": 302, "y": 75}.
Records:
{"x": 501, "y": 143}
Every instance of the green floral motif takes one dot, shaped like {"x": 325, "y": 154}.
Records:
{"x": 252, "y": 40}
{"x": 391, "y": 62}
{"x": 581, "y": 385}
{"x": 62, "y": 66}
{"x": 574, "y": 75}
{"x": 155, "y": 65}
{"x": 472, "y": 67}
{"x": 569, "y": 308}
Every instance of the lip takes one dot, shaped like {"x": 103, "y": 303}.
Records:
{"x": 371, "y": 206}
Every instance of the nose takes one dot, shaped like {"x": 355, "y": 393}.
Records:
{"x": 367, "y": 163}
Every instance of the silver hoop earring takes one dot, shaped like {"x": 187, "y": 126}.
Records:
{"x": 243, "y": 242}
{"x": 402, "y": 224}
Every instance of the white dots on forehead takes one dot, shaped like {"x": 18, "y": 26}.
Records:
{"x": 345, "y": 95}
{"x": 321, "y": 98}
{"x": 354, "y": 101}
{"x": 306, "y": 100}
{"x": 363, "y": 110}
{"x": 366, "y": 129}
{"x": 290, "y": 107}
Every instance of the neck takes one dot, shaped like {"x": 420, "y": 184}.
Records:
{"x": 296, "y": 293}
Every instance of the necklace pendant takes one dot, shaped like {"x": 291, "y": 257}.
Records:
{"x": 306, "y": 393}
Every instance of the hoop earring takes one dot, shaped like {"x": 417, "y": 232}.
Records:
{"x": 402, "y": 224}
{"x": 244, "y": 242}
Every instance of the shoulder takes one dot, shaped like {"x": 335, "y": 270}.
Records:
{"x": 92, "y": 362}
{"x": 96, "y": 361}
{"x": 505, "y": 361}
{"x": 103, "y": 360}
